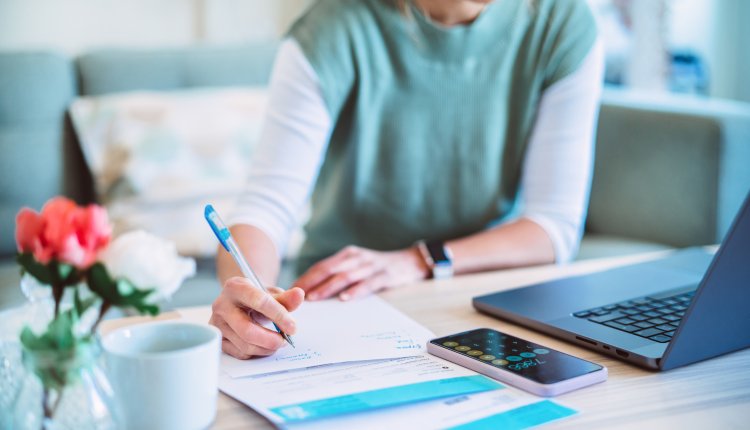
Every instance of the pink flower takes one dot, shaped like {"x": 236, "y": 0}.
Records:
{"x": 64, "y": 232}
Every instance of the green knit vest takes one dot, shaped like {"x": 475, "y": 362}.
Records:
{"x": 431, "y": 123}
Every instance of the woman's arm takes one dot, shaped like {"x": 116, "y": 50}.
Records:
{"x": 555, "y": 182}
{"x": 554, "y": 190}
{"x": 283, "y": 170}
{"x": 285, "y": 164}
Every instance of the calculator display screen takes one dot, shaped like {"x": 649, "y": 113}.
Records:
{"x": 525, "y": 358}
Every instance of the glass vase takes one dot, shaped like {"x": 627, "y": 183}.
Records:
{"x": 64, "y": 390}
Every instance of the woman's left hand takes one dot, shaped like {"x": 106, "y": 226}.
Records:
{"x": 355, "y": 272}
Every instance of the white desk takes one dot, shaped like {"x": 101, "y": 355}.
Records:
{"x": 710, "y": 395}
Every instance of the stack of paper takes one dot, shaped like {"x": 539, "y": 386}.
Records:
{"x": 362, "y": 364}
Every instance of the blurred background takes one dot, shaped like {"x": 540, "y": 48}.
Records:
{"x": 152, "y": 108}
{"x": 689, "y": 46}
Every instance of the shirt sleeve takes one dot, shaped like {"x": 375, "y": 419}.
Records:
{"x": 290, "y": 151}
{"x": 557, "y": 170}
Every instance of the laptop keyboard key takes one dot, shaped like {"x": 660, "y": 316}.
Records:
{"x": 630, "y": 328}
{"x": 655, "y": 317}
{"x": 607, "y": 317}
{"x": 619, "y": 326}
{"x": 648, "y": 332}
{"x": 661, "y": 338}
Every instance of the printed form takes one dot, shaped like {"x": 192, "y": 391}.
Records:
{"x": 363, "y": 364}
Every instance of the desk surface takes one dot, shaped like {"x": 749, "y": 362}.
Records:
{"x": 711, "y": 394}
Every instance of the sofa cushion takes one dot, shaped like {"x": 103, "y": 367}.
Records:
{"x": 110, "y": 71}
{"x": 669, "y": 169}
{"x": 35, "y": 89}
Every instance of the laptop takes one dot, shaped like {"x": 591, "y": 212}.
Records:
{"x": 684, "y": 308}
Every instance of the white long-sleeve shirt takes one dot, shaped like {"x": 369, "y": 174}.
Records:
{"x": 556, "y": 173}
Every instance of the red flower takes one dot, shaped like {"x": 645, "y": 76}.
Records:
{"x": 64, "y": 232}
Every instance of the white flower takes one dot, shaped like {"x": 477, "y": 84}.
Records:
{"x": 148, "y": 262}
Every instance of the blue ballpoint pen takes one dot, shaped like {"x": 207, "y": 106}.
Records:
{"x": 225, "y": 238}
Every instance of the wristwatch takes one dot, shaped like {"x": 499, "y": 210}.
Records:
{"x": 438, "y": 258}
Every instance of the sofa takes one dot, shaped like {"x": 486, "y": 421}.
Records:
{"x": 670, "y": 171}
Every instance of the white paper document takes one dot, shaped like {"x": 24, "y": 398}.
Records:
{"x": 332, "y": 331}
{"x": 422, "y": 392}
{"x": 332, "y": 390}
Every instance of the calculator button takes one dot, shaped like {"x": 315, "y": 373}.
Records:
{"x": 475, "y": 352}
{"x": 513, "y": 358}
{"x": 462, "y": 348}
{"x": 450, "y": 344}
{"x": 541, "y": 351}
{"x": 487, "y": 357}
{"x": 499, "y": 362}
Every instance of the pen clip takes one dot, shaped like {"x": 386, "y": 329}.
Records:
{"x": 217, "y": 225}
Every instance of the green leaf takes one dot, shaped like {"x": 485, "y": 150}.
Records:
{"x": 41, "y": 272}
{"x": 121, "y": 292}
{"x": 81, "y": 306}
{"x": 32, "y": 342}
{"x": 61, "y": 330}
{"x": 66, "y": 273}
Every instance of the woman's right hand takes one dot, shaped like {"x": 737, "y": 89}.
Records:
{"x": 238, "y": 313}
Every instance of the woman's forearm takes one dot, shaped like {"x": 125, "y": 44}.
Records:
{"x": 259, "y": 251}
{"x": 518, "y": 243}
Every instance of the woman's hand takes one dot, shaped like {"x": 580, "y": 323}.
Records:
{"x": 239, "y": 310}
{"x": 355, "y": 272}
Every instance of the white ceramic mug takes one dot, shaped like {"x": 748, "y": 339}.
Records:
{"x": 164, "y": 374}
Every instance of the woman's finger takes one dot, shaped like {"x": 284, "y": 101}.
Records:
{"x": 365, "y": 287}
{"x": 291, "y": 299}
{"x": 341, "y": 281}
{"x": 248, "y": 349}
{"x": 231, "y": 349}
{"x": 251, "y": 333}
{"x": 346, "y": 259}
{"x": 245, "y": 295}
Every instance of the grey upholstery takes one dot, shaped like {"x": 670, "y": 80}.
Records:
{"x": 669, "y": 171}
{"x": 35, "y": 90}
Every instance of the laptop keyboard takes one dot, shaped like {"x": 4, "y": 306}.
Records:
{"x": 655, "y": 317}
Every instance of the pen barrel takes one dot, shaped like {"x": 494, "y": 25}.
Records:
{"x": 247, "y": 272}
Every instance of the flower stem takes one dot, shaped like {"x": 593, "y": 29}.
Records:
{"x": 102, "y": 310}
{"x": 57, "y": 293}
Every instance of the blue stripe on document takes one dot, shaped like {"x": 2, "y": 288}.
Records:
{"x": 521, "y": 418}
{"x": 386, "y": 397}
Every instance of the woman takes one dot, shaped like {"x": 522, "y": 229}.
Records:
{"x": 464, "y": 123}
